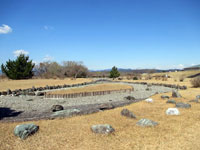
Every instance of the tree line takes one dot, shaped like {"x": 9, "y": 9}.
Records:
{"x": 23, "y": 68}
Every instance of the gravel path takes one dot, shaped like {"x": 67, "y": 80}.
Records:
{"x": 32, "y": 107}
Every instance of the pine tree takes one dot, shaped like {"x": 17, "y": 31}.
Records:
{"x": 114, "y": 73}
{"x": 21, "y": 68}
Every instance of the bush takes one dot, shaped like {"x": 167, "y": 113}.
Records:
{"x": 21, "y": 68}
{"x": 195, "y": 82}
{"x": 135, "y": 78}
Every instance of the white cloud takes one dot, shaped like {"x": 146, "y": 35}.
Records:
{"x": 48, "y": 27}
{"x": 20, "y": 51}
{"x": 5, "y": 29}
{"x": 48, "y": 58}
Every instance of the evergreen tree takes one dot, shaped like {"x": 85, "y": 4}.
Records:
{"x": 114, "y": 73}
{"x": 21, "y": 68}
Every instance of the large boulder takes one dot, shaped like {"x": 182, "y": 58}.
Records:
{"x": 55, "y": 108}
{"x": 66, "y": 113}
{"x": 127, "y": 113}
{"x": 25, "y": 130}
{"x": 183, "y": 105}
{"x": 171, "y": 101}
{"x": 146, "y": 123}
{"x": 102, "y": 128}
{"x": 172, "y": 111}
{"x": 175, "y": 93}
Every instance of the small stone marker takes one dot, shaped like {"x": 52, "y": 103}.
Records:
{"x": 171, "y": 101}
{"x": 149, "y": 100}
{"x": 146, "y": 123}
{"x": 172, "y": 111}
{"x": 130, "y": 98}
{"x": 165, "y": 97}
{"x": 102, "y": 128}
{"x": 127, "y": 113}
{"x": 25, "y": 130}
{"x": 183, "y": 105}
{"x": 38, "y": 93}
{"x": 175, "y": 93}
{"x": 55, "y": 108}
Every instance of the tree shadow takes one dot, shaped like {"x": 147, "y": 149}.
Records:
{"x": 7, "y": 112}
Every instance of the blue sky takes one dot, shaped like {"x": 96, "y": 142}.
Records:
{"x": 102, "y": 33}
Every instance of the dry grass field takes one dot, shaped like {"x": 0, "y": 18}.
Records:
{"x": 17, "y": 84}
{"x": 179, "y": 74}
{"x": 94, "y": 88}
{"x": 174, "y": 78}
{"x": 173, "y": 132}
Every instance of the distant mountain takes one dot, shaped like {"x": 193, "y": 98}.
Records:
{"x": 122, "y": 70}
{"x": 192, "y": 67}
{"x": 0, "y": 72}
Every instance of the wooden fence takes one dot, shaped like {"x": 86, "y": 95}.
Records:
{"x": 84, "y": 94}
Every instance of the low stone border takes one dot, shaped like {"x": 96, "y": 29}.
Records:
{"x": 84, "y": 94}
{"x": 32, "y": 91}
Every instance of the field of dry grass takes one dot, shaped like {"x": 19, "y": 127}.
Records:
{"x": 179, "y": 74}
{"x": 173, "y": 132}
{"x": 94, "y": 88}
{"x": 174, "y": 78}
{"x": 17, "y": 84}
{"x": 169, "y": 81}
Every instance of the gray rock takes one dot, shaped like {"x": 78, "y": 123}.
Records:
{"x": 9, "y": 92}
{"x": 146, "y": 123}
{"x": 102, "y": 128}
{"x": 195, "y": 100}
{"x": 55, "y": 108}
{"x": 198, "y": 97}
{"x": 25, "y": 130}
{"x": 175, "y": 93}
{"x": 66, "y": 113}
{"x": 130, "y": 98}
{"x": 165, "y": 97}
{"x": 127, "y": 113}
{"x": 171, "y": 101}
{"x": 106, "y": 106}
{"x": 183, "y": 105}
{"x": 4, "y": 93}
{"x": 172, "y": 111}
{"x": 39, "y": 93}
{"x": 31, "y": 93}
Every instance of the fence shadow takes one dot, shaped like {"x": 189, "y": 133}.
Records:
{"x": 7, "y": 112}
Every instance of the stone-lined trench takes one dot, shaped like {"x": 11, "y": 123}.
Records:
{"x": 26, "y": 107}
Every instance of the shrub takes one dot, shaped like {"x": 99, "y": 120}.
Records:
{"x": 21, "y": 68}
{"x": 195, "y": 82}
{"x": 135, "y": 78}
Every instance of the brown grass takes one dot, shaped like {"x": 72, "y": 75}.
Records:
{"x": 17, "y": 84}
{"x": 173, "y": 132}
{"x": 94, "y": 88}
